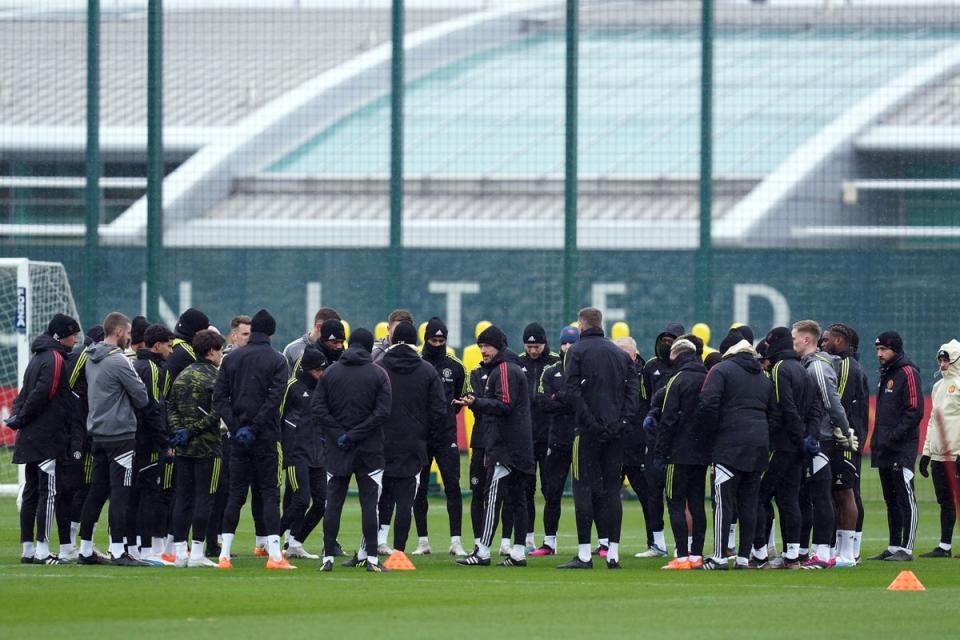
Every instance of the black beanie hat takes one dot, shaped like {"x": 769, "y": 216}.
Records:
{"x": 138, "y": 327}
{"x": 263, "y": 322}
{"x": 746, "y": 332}
{"x": 733, "y": 337}
{"x": 362, "y": 337}
{"x": 404, "y": 333}
{"x": 493, "y": 337}
{"x": 190, "y": 322}
{"x": 779, "y": 339}
{"x": 332, "y": 329}
{"x": 763, "y": 347}
{"x": 156, "y": 333}
{"x": 312, "y": 358}
{"x": 891, "y": 340}
{"x": 435, "y": 328}
{"x": 533, "y": 333}
{"x": 62, "y": 326}
{"x": 95, "y": 333}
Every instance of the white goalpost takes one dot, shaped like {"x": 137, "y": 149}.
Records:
{"x": 30, "y": 293}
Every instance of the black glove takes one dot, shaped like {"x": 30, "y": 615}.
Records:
{"x": 13, "y": 422}
{"x": 925, "y": 466}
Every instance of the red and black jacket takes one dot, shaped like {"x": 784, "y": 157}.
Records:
{"x": 896, "y": 425}
{"x": 42, "y": 404}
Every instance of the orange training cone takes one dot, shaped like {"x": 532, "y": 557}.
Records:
{"x": 398, "y": 561}
{"x": 906, "y": 581}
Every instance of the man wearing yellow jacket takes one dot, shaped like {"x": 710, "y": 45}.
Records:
{"x": 941, "y": 449}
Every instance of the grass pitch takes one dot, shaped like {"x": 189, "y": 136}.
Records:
{"x": 443, "y": 600}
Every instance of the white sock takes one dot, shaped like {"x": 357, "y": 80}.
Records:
{"x": 583, "y": 552}
{"x": 550, "y": 541}
{"x": 660, "y": 540}
{"x": 893, "y": 549}
{"x": 43, "y": 550}
{"x": 823, "y": 551}
{"x": 453, "y": 540}
{"x": 946, "y": 546}
{"x": 742, "y": 561}
{"x": 86, "y": 548}
{"x": 424, "y": 540}
{"x": 505, "y": 543}
{"x": 613, "y": 552}
{"x": 196, "y": 550}
{"x": 803, "y": 551}
{"x": 180, "y": 549}
{"x": 694, "y": 558}
{"x": 761, "y": 553}
{"x": 134, "y": 552}
{"x": 845, "y": 550}
{"x": 327, "y": 559}
{"x": 374, "y": 560}
{"x": 273, "y": 548}
{"x": 261, "y": 541}
{"x": 226, "y": 546}
{"x": 168, "y": 545}
{"x": 157, "y": 546}
{"x": 772, "y": 536}
{"x": 483, "y": 551}
{"x": 382, "y": 534}
{"x": 732, "y": 537}
{"x": 116, "y": 549}
{"x": 66, "y": 550}
{"x": 857, "y": 539}
{"x": 146, "y": 552}
{"x": 74, "y": 531}
{"x": 476, "y": 542}
{"x": 689, "y": 542}
{"x": 834, "y": 550}
{"x": 792, "y": 551}
{"x": 28, "y": 549}
{"x": 362, "y": 551}
{"x": 517, "y": 552}
{"x": 603, "y": 542}
{"x": 529, "y": 540}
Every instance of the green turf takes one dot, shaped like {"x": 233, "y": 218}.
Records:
{"x": 442, "y": 600}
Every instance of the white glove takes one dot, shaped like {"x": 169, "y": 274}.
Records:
{"x": 840, "y": 438}
{"x": 854, "y": 441}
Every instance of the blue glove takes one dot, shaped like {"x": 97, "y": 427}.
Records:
{"x": 344, "y": 442}
{"x": 649, "y": 423}
{"x": 659, "y": 463}
{"x": 13, "y": 422}
{"x": 245, "y": 436}
{"x": 179, "y": 438}
{"x": 811, "y": 446}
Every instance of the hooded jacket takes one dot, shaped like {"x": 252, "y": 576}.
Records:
{"x": 418, "y": 411}
{"x": 679, "y": 439}
{"x": 793, "y": 389}
{"x": 601, "y": 385}
{"x": 77, "y": 400}
{"x": 737, "y": 410}
{"x": 190, "y": 406}
{"x": 562, "y": 419}
{"x": 503, "y": 405}
{"x": 533, "y": 369}
{"x": 181, "y": 356}
{"x": 152, "y": 432}
{"x": 657, "y": 370}
{"x": 453, "y": 375}
{"x": 854, "y": 390}
{"x": 353, "y": 396}
{"x": 478, "y": 436}
{"x": 943, "y": 429}
{"x": 635, "y": 440}
{"x": 42, "y": 404}
{"x": 896, "y": 424}
{"x": 822, "y": 369}
{"x": 303, "y": 440}
{"x": 114, "y": 392}
{"x": 249, "y": 388}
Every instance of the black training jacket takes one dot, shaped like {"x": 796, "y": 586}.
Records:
{"x": 800, "y": 408}
{"x": 42, "y": 404}
{"x": 737, "y": 412}
{"x": 533, "y": 369}
{"x": 658, "y": 369}
{"x": 250, "y": 386}
{"x": 601, "y": 385}
{"x": 478, "y": 437}
{"x": 635, "y": 440}
{"x": 678, "y": 436}
{"x": 152, "y": 432}
{"x": 418, "y": 411}
{"x": 503, "y": 405}
{"x": 854, "y": 390}
{"x": 562, "y": 418}
{"x": 353, "y": 397}
{"x": 454, "y": 379}
{"x": 78, "y": 408}
{"x": 181, "y": 357}
{"x": 302, "y": 437}
{"x": 896, "y": 424}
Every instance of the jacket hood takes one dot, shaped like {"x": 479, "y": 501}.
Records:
{"x": 401, "y": 358}
{"x": 504, "y": 355}
{"x": 674, "y": 329}
{"x": 953, "y": 348}
{"x": 741, "y": 347}
{"x": 689, "y": 362}
{"x": 355, "y": 356}
{"x": 100, "y": 350}
{"x": 902, "y": 360}
{"x": 43, "y": 342}
{"x": 146, "y": 354}
{"x": 822, "y": 355}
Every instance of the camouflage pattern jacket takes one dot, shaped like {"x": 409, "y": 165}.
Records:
{"x": 190, "y": 407}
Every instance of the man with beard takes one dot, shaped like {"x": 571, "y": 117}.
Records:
{"x": 294, "y": 350}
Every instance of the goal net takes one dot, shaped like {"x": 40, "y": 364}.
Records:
{"x": 30, "y": 293}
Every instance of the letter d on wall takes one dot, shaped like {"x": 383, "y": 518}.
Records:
{"x": 741, "y": 303}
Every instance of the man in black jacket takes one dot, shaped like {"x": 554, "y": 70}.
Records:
{"x": 556, "y": 466}
{"x": 247, "y": 396}
{"x": 443, "y": 448}
{"x": 736, "y": 411}
{"x": 680, "y": 447}
{"x": 601, "y": 386}
{"x": 190, "y": 321}
{"x": 303, "y": 454}
{"x": 896, "y": 436}
{"x": 504, "y": 406}
{"x": 478, "y": 446}
{"x": 39, "y": 415}
{"x": 800, "y": 413}
{"x": 418, "y": 413}
{"x": 351, "y": 402}
{"x": 148, "y": 501}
